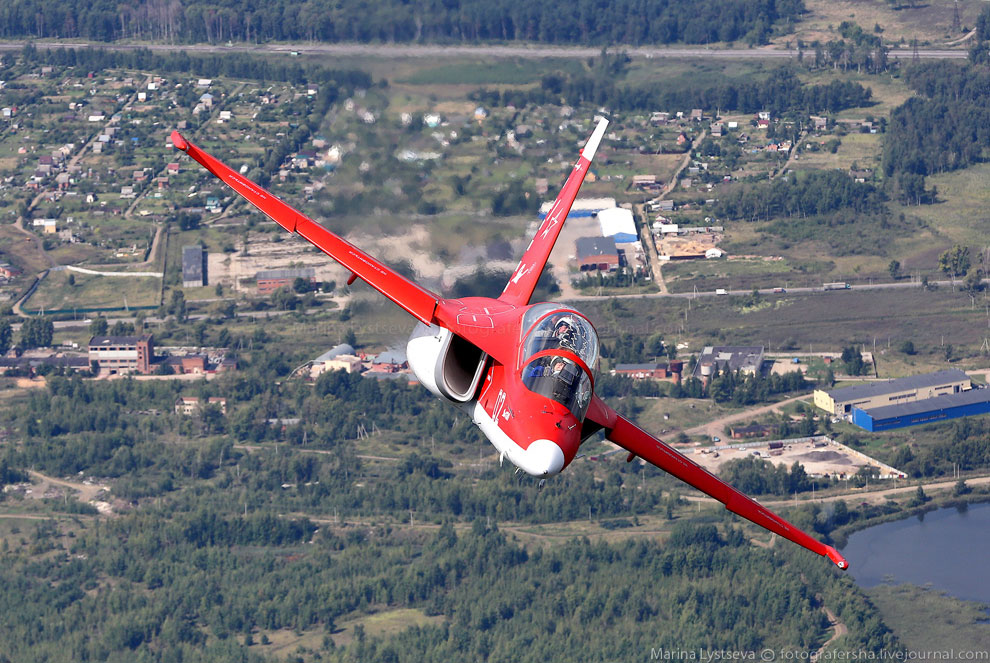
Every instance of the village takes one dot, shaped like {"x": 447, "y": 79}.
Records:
{"x": 121, "y": 225}
{"x": 98, "y": 191}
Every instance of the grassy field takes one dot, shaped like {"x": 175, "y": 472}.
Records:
{"x": 960, "y": 216}
{"x": 679, "y": 74}
{"x": 514, "y": 71}
{"x": 90, "y": 291}
{"x": 822, "y": 321}
{"x": 928, "y": 21}
{"x": 861, "y": 150}
{"x": 734, "y": 274}
{"x": 926, "y": 620}
{"x": 683, "y": 413}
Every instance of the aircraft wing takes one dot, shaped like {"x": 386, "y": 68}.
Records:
{"x": 523, "y": 281}
{"x": 415, "y": 299}
{"x": 636, "y": 441}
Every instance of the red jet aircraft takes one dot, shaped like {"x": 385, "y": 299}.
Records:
{"x": 525, "y": 373}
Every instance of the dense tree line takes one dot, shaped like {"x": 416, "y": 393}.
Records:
{"x": 863, "y": 51}
{"x": 723, "y": 387}
{"x": 37, "y": 332}
{"x": 819, "y": 205}
{"x": 161, "y": 586}
{"x": 755, "y": 476}
{"x": 194, "y": 579}
{"x": 780, "y": 93}
{"x": 234, "y": 65}
{"x": 966, "y": 447}
{"x": 802, "y": 195}
{"x": 748, "y": 388}
{"x": 555, "y": 21}
{"x": 945, "y": 128}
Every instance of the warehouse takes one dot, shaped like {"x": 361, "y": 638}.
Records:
{"x": 618, "y": 224}
{"x": 193, "y": 267}
{"x": 940, "y": 408}
{"x": 841, "y": 402}
{"x": 597, "y": 253}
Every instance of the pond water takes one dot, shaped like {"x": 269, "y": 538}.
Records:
{"x": 947, "y": 548}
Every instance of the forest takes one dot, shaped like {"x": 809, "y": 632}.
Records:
{"x": 208, "y": 569}
{"x": 818, "y": 205}
{"x": 780, "y": 93}
{"x": 239, "y": 531}
{"x": 455, "y": 21}
{"x": 945, "y": 127}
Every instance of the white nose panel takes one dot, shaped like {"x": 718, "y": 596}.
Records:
{"x": 543, "y": 457}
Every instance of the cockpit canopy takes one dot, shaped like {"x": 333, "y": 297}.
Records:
{"x": 559, "y": 328}
{"x": 553, "y": 337}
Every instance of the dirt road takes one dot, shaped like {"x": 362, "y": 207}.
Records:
{"x": 87, "y": 492}
{"x": 717, "y": 427}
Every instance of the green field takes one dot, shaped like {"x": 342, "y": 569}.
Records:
{"x": 487, "y": 72}
{"x": 821, "y": 320}
{"x": 960, "y": 215}
{"x": 927, "y": 620}
{"x": 90, "y": 291}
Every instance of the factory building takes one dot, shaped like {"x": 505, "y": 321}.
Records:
{"x": 841, "y": 402}
{"x": 929, "y": 410}
{"x": 122, "y": 354}
{"x": 728, "y": 358}
{"x": 271, "y": 280}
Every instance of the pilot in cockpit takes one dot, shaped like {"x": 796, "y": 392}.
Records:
{"x": 566, "y": 334}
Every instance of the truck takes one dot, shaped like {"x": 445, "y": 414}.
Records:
{"x": 836, "y": 286}
{"x": 721, "y": 291}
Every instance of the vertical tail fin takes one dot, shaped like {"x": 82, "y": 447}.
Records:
{"x": 521, "y": 285}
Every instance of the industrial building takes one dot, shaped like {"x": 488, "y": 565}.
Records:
{"x": 597, "y": 253}
{"x": 651, "y": 371}
{"x": 841, "y": 402}
{"x": 122, "y": 354}
{"x": 193, "y": 267}
{"x": 746, "y": 359}
{"x": 272, "y": 279}
{"x": 618, "y": 223}
{"x": 940, "y": 408}
{"x": 340, "y": 357}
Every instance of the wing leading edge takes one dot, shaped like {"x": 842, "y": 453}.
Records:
{"x": 640, "y": 443}
{"x": 409, "y": 295}
{"x": 523, "y": 281}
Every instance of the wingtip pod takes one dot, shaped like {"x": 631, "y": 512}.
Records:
{"x": 838, "y": 559}
{"x": 596, "y": 137}
{"x": 179, "y": 142}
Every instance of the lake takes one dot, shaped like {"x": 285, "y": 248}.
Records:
{"x": 947, "y": 548}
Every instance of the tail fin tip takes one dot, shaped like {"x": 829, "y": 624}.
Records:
{"x": 592, "y": 145}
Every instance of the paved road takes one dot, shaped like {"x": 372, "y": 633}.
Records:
{"x": 481, "y": 51}
{"x": 775, "y": 290}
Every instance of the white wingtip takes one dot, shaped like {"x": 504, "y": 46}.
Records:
{"x": 592, "y": 146}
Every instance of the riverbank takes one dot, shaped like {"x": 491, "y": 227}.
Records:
{"x": 929, "y": 620}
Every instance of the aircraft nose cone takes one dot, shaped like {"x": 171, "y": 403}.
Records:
{"x": 545, "y": 457}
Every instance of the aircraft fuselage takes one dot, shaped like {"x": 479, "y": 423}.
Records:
{"x": 532, "y": 409}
